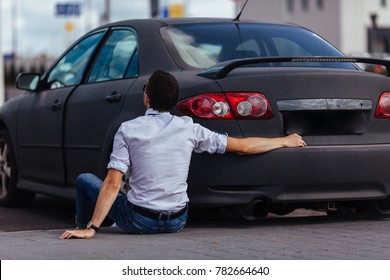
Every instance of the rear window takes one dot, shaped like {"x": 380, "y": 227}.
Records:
{"x": 204, "y": 45}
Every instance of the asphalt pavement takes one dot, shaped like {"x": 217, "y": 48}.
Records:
{"x": 358, "y": 237}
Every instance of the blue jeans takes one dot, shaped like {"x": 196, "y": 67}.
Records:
{"x": 88, "y": 188}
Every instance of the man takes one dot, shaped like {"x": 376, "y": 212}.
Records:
{"x": 157, "y": 147}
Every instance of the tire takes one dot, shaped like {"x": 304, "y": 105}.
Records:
{"x": 10, "y": 195}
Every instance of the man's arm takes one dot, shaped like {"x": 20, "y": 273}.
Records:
{"x": 257, "y": 145}
{"x": 106, "y": 198}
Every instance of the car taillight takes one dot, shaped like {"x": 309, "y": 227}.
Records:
{"x": 240, "y": 105}
{"x": 383, "y": 108}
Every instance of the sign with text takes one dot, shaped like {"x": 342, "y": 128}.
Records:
{"x": 68, "y": 9}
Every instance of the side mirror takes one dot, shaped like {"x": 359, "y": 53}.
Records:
{"x": 28, "y": 81}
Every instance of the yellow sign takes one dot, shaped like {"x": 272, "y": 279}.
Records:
{"x": 176, "y": 10}
{"x": 69, "y": 26}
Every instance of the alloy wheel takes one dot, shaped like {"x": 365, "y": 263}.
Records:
{"x": 5, "y": 169}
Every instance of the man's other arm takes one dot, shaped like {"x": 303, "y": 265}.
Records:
{"x": 258, "y": 145}
{"x": 106, "y": 198}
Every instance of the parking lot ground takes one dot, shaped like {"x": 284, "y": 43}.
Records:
{"x": 299, "y": 237}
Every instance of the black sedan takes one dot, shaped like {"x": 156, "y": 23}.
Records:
{"x": 243, "y": 78}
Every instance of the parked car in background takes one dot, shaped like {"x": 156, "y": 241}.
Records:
{"x": 372, "y": 67}
{"x": 239, "y": 77}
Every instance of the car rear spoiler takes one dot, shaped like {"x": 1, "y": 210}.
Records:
{"x": 221, "y": 70}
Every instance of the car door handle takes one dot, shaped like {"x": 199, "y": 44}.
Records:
{"x": 114, "y": 97}
{"x": 57, "y": 105}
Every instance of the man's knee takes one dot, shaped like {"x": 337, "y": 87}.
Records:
{"x": 84, "y": 179}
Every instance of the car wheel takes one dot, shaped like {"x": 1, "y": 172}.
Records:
{"x": 9, "y": 194}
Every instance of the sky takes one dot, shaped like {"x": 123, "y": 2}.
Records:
{"x": 31, "y": 27}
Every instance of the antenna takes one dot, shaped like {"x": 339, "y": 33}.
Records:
{"x": 239, "y": 14}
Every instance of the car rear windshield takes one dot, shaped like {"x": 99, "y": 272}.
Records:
{"x": 204, "y": 45}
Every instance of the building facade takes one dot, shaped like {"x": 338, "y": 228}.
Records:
{"x": 353, "y": 26}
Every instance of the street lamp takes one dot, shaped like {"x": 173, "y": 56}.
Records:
{"x": 373, "y": 42}
{"x": 154, "y": 8}
{"x": 14, "y": 12}
{"x": 107, "y": 11}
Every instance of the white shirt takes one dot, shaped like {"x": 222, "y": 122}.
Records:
{"x": 157, "y": 147}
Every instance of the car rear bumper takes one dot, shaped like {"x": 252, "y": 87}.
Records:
{"x": 292, "y": 175}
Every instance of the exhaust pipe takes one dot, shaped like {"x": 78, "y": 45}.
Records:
{"x": 256, "y": 209}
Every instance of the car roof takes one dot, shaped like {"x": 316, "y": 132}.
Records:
{"x": 190, "y": 20}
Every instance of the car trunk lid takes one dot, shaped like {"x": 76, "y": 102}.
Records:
{"x": 327, "y": 105}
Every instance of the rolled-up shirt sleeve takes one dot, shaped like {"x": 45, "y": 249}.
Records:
{"x": 208, "y": 141}
{"x": 119, "y": 159}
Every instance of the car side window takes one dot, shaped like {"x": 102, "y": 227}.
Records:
{"x": 70, "y": 69}
{"x": 118, "y": 58}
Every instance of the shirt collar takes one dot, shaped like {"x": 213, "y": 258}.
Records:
{"x": 151, "y": 111}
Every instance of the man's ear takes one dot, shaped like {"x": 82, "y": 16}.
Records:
{"x": 146, "y": 101}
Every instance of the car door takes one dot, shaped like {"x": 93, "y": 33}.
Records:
{"x": 41, "y": 115}
{"x": 93, "y": 107}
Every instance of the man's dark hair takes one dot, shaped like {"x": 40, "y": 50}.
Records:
{"x": 163, "y": 91}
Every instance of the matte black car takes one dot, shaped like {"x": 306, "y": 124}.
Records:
{"x": 241, "y": 77}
